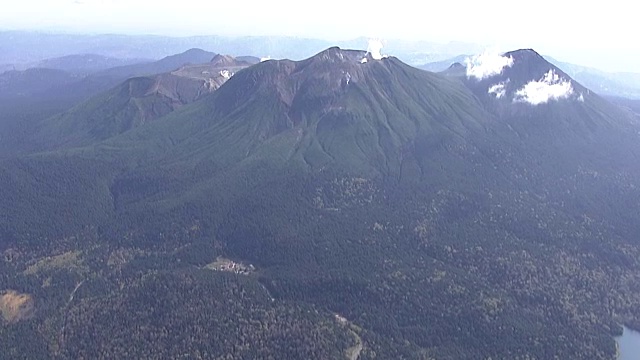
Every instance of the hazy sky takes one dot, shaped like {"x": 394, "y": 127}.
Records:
{"x": 596, "y": 35}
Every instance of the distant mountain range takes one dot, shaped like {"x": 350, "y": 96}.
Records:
{"x": 41, "y": 93}
{"x": 34, "y": 81}
{"x": 631, "y": 104}
{"x": 100, "y": 52}
{"x": 347, "y": 205}
{"x": 84, "y": 64}
{"x": 611, "y": 84}
{"x": 20, "y": 47}
{"x": 138, "y": 100}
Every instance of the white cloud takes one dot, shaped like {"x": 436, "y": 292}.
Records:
{"x": 375, "y": 49}
{"x": 487, "y": 64}
{"x": 550, "y": 87}
{"x": 498, "y": 89}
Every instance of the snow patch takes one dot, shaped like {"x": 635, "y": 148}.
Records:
{"x": 347, "y": 77}
{"x": 550, "y": 87}
{"x": 499, "y": 89}
{"x": 364, "y": 60}
{"x": 226, "y": 74}
{"x": 581, "y": 97}
{"x": 265, "y": 58}
{"x": 487, "y": 64}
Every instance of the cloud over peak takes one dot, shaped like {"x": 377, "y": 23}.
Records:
{"x": 499, "y": 89}
{"x": 487, "y": 64}
{"x": 550, "y": 87}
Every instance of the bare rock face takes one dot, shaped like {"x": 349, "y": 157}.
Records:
{"x": 16, "y": 306}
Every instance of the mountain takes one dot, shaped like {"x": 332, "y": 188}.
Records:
{"x": 617, "y": 84}
{"x": 345, "y": 205}
{"x": 107, "y": 79}
{"x": 37, "y": 81}
{"x": 52, "y": 82}
{"x": 527, "y": 81}
{"x": 85, "y": 63}
{"x": 134, "y": 102}
{"x": 626, "y": 85}
{"x": 166, "y": 64}
{"x": 504, "y": 78}
{"x": 23, "y": 47}
{"x": 442, "y": 65}
{"x": 30, "y": 96}
{"x": 33, "y": 82}
{"x": 6, "y": 67}
{"x": 248, "y": 59}
{"x": 631, "y": 104}
{"x": 27, "y": 46}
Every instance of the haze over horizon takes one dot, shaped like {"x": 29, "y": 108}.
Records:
{"x": 549, "y": 27}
